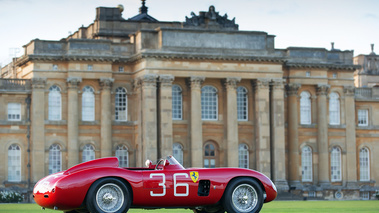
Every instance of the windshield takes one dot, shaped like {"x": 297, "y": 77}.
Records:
{"x": 173, "y": 161}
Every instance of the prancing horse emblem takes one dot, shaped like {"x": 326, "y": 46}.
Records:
{"x": 194, "y": 176}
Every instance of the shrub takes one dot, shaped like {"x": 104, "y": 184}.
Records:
{"x": 10, "y": 197}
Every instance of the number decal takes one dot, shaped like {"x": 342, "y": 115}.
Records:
{"x": 180, "y": 184}
{"x": 160, "y": 184}
{"x": 176, "y": 185}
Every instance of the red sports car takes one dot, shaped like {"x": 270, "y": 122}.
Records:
{"x": 102, "y": 186}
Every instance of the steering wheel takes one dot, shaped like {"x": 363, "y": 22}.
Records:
{"x": 161, "y": 161}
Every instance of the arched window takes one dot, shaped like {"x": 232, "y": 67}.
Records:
{"x": 306, "y": 164}
{"x": 364, "y": 164}
{"x": 209, "y": 106}
{"x": 55, "y": 103}
{"x": 88, "y": 153}
{"x": 242, "y": 103}
{"x": 336, "y": 164}
{"x": 121, "y": 105}
{"x": 243, "y": 156}
{"x": 55, "y": 159}
{"x": 334, "y": 109}
{"x": 123, "y": 155}
{"x": 177, "y": 150}
{"x": 305, "y": 108}
{"x": 88, "y": 104}
{"x": 177, "y": 102}
{"x": 14, "y": 163}
{"x": 209, "y": 155}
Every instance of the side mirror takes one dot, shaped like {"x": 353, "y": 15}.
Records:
{"x": 148, "y": 163}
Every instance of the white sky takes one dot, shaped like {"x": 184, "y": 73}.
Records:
{"x": 350, "y": 24}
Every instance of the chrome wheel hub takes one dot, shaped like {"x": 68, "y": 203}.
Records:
{"x": 110, "y": 198}
{"x": 245, "y": 198}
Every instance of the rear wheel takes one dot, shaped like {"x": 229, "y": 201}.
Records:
{"x": 108, "y": 195}
{"x": 243, "y": 195}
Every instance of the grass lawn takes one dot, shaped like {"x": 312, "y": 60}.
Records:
{"x": 276, "y": 206}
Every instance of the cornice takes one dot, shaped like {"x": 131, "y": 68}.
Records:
{"x": 321, "y": 65}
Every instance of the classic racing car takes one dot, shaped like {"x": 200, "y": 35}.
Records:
{"x": 102, "y": 186}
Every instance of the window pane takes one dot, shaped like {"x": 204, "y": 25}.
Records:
{"x": 55, "y": 104}
{"x": 14, "y": 163}
{"x": 88, "y": 153}
{"x": 209, "y": 106}
{"x": 88, "y": 104}
{"x": 364, "y": 165}
{"x": 123, "y": 156}
{"x": 121, "y": 104}
{"x": 178, "y": 152}
{"x": 362, "y": 117}
{"x": 242, "y": 104}
{"x": 176, "y": 102}
{"x": 306, "y": 164}
{"x": 243, "y": 156}
{"x": 334, "y": 109}
{"x": 305, "y": 108}
{"x": 14, "y": 111}
{"x": 336, "y": 164}
{"x": 55, "y": 159}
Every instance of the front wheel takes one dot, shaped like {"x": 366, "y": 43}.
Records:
{"x": 243, "y": 195}
{"x": 108, "y": 195}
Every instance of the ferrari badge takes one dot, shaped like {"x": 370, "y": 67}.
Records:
{"x": 194, "y": 176}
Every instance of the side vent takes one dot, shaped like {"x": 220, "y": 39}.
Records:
{"x": 204, "y": 187}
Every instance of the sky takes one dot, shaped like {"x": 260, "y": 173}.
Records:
{"x": 350, "y": 24}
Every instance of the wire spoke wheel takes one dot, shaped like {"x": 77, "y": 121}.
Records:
{"x": 244, "y": 198}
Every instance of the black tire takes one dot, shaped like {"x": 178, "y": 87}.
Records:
{"x": 108, "y": 195}
{"x": 237, "y": 202}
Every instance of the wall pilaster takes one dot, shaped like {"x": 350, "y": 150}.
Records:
{"x": 196, "y": 126}
{"x": 232, "y": 121}
{"x": 277, "y": 134}
{"x": 106, "y": 117}
{"x": 351, "y": 150}
{"x": 322, "y": 135}
{"x": 149, "y": 116}
{"x": 72, "y": 121}
{"x": 38, "y": 129}
{"x": 262, "y": 126}
{"x": 293, "y": 134}
{"x": 165, "y": 114}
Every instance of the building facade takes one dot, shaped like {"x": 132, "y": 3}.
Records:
{"x": 201, "y": 90}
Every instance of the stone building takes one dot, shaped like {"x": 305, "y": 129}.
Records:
{"x": 202, "y": 90}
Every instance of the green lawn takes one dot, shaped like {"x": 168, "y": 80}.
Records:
{"x": 276, "y": 206}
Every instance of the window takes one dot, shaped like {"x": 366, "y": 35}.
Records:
{"x": 177, "y": 150}
{"x": 55, "y": 103}
{"x": 89, "y": 67}
{"x": 14, "y": 112}
{"x": 55, "y": 67}
{"x": 177, "y": 102}
{"x": 334, "y": 109}
{"x": 334, "y": 75}
{"x": 55, "y": 159}
{"x": 121, "y": 104}
{"x": 305, "y": 108}
{"x": 362, "y": 117}
{"x": 122, "y": 155}
{"x": 120, "y": 69}
{"x": 14, "y": 163}
{"x": 336, "y": 164}
{"x": 364, "y": 164}
{"x": 243, "y": 156}
{"x": 365, "y": 195}
{"x": 242, "y": 103}
{"x": 209, "y": 106}
{"x": 209, "y": 155}
{"x": 88, "y": 153}
{"x": 307, "y": 74}
{"x": 306, "y": 164}
{"x": 88, "y": 104}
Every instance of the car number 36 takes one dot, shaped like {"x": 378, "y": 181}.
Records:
{"x": 176, "y": 185}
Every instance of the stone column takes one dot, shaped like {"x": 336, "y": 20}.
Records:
{"x": 165, "y": 115}
{"x": 293, "y": 134}
{"x": 196, "y": 122}
{"x": 106, "y": 117}
{"x": 149, "y": 117}
{"x": 38, "y": 129}
{"x": 322, "y": 135}
{"x": 262, "y": 126}
{"x": 277, "y": 135}
{"x": 72, "y": 121}
{"x": 232, "y": 121}
{"x": 351, "y": 150}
